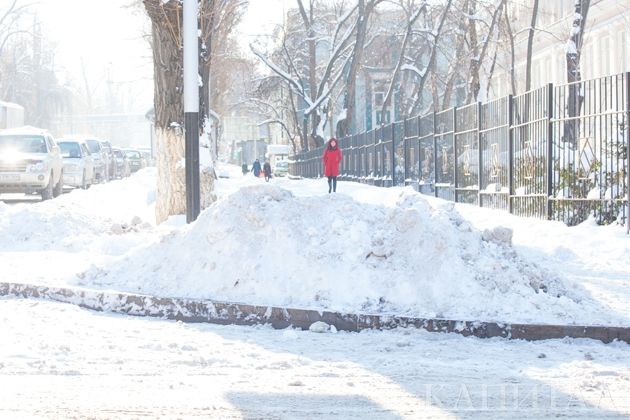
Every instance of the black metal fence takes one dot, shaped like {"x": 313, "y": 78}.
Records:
{"x": 557, "y": 152}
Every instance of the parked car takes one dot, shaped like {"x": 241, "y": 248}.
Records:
{"x": 148, "y": 156}
{"x": 78, "y": 165}
{"x": 101, "y": 173}
{"x": 108, "y": 157}
{"x": 136, "y": 161}
{"x": 281, "y": 168}
{"x": 30, "y": 162}
{"x": 122, "y": 163}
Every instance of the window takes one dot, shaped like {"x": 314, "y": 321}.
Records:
{"x": 379, "y": 97}
{"x": 379, "y": 119}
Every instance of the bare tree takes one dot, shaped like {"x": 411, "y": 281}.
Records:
{"x": 434, "y": 36}
{"x": 326, "y": 76}
{"x": 411, "y": 20}
{"x": 478, "y": 56}
{"x": 365, "y": 10}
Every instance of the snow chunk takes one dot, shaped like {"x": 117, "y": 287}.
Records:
{"x": 319, "y": 327}
{"x": 499, "y": 235}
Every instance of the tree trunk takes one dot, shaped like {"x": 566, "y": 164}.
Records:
{"x": 574, "y": 48}
{"x": 512, "y": 50}
{"x": 166, "y": 24}
{"x": 530, "y": 46}
{"x": 473, "y": 84}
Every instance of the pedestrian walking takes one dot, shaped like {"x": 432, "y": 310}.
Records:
{"x": 256, "y": 169}
{"x": 332, "y": 159}
{"x": 267, "y": 170}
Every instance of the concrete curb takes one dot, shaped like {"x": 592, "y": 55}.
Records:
{"x": 193, "y": 310}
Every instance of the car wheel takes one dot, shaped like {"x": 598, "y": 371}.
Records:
{"x": 47, "y": 193}
{"x": 59, "y": 186}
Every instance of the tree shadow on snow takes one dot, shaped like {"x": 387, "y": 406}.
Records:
{"x": 407, "y": 373}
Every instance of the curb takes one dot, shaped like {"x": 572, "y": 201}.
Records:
{"x": 207, "y": 311}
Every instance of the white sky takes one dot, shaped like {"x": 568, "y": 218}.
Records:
{"x": 108, "y": 38}
{"x": 261, "y": 19}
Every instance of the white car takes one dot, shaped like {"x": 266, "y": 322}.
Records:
{"x": 30, "y": 162}
{"x": 101, "y": 160}
{"x": 281, "y": 168}
{"x": 78, "y": 165}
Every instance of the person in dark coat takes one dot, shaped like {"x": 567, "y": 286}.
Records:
{"x": 244, "y": 168}
{"x": 256, "y": 169}
{"x": 267, "y": 171}
{"x": 332, "y": 159}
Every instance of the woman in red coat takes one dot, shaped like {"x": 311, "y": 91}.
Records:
{"x": 332, "y": 159}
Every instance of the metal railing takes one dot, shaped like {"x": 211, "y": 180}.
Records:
{"x": 557, "y": 152}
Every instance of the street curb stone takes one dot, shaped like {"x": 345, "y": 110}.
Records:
{"x": 208, "y": 311}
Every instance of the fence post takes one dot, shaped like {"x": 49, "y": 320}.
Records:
{"x": 418, "y": 125}
{"x": 455, "y": 170}
{"x": 405, "y": 157}
{"x": 628, "y": 152}
{"x": 510, "y": 153}
{"x": 393, "y": 157}
{"x": 479, "y": 154}
{"x": 383, "y": 147}
{"x": 435, "y": 154}
{"x": 549, "y": 149}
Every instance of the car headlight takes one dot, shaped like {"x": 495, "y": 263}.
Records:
{"x": 36, "y": 167}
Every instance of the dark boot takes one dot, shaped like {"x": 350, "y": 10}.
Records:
{"x": 334, "y": 184}
{"x": 329, "y": 184}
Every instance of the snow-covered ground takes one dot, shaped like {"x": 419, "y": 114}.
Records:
{"x": 59, "y": 361}
{"x": 364, "y": 249}
{"x": 289, "y": 242}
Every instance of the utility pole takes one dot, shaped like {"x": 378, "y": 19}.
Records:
{"x": 191, "y": 108}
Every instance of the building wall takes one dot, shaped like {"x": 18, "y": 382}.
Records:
{"x": 604, "y": 52}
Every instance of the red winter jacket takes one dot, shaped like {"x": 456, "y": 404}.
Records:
{"x": 332, "y": 159}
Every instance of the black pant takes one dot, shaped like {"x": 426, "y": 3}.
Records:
{"x": 332, "y": 184}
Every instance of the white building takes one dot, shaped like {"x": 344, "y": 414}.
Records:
{"x": 605, "y": 48}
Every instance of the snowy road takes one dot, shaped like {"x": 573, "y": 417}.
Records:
{"x": 60, "y": 361}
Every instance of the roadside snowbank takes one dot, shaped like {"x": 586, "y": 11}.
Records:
{"x": 263, "y": 245}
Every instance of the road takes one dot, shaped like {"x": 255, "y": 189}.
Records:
{"x": 61, "y": 361}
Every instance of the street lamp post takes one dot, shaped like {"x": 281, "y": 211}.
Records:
{"x": 191, "y": 108}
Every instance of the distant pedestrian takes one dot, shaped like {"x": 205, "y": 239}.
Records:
{"x": 267, "y": 171}
{"x": 244, "y": 168}
{"x": 332, "y": 160}
{"x": 256, "y": 169}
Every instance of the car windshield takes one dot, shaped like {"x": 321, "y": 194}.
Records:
{"x": 93, "y": 146}
{"x": 118, "y": 153}
{"x": 133, "y": 154}
{"x": 23, "y": 144}
{"x": 70, "y": 149}
{"x": 282, "y": 164}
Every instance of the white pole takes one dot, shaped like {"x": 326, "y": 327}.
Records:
{"x": 191, "y": 56}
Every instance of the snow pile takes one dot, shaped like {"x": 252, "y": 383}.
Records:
{"x": 263, "y": 245}
{"x": 77, "y": 220}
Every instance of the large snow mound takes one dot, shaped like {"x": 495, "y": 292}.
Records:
{"x": 262, "y": 245}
